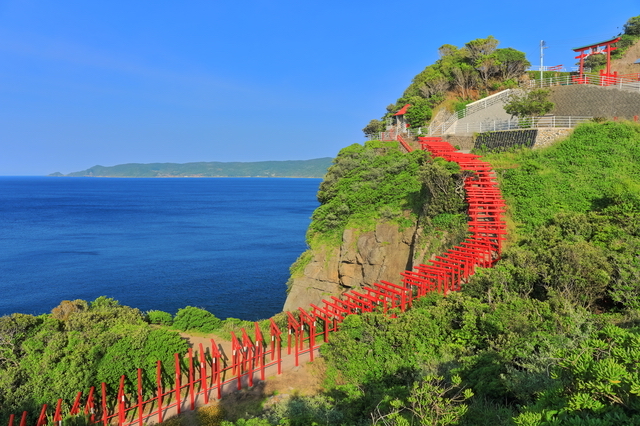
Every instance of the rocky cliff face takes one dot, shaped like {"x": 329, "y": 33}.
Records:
{"x": 362, "y": 259}
{"x": 355, "y": 236}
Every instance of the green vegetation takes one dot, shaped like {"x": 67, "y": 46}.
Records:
{"x": 191, "y": 318}
{"x": 628, "y": 38}
{"x": 78, "y": 345}
{"x": 296, "y": 168}
{"x": 461, "y": 74}
{"x": 550, "y": 336}
{"x": 529, "y": 103}
{"x": 378, "y": 181}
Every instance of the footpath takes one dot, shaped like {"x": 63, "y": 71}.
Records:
{"x": 303, "y": 379}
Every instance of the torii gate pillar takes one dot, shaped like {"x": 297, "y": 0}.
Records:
{"x": 602, "y": 47}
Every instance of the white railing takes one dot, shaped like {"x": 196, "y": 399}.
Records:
{"x": 485, "y": 103}
{"x": 514, "y": 123}
{"x": 476, "y": 106}
{"x": 626, "y": 82}
{"x": 392, "y": 134}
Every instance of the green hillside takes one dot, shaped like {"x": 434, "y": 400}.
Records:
{"x": 315, "y": 168}
{"x": 550, "y": 336}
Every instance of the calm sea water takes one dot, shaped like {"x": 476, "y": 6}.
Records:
{"x": 222, "y": 244}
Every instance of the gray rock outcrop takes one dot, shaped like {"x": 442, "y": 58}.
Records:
{"x": 363, "y": 258}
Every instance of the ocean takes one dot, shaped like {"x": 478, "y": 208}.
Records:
{"x": 222, "y": 244}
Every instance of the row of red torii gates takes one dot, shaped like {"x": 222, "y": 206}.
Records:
{"x": 208, "y": 373}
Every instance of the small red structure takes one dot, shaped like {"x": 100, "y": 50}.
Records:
{"x": 603, "y": 47}
{"x": 400, "y": 121}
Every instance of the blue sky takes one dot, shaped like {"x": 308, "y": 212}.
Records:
{"x": 96, "y": 82}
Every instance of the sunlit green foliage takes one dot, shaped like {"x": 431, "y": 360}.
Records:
{"x": 377, "y": 180}
{"x": 191, "y": 318}
{"x": 469, "y": 72}
{"x": 79, "y": 345}
{"x": 577, "y": 205}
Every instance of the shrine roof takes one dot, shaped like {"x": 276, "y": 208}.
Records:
{"x": 403, "y": 110}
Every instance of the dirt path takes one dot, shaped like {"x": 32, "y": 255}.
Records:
{"x": 303, "y": 380}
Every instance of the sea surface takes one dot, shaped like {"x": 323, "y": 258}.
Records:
{"x": 222, "y": 244}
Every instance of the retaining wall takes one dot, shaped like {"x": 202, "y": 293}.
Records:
{"x": 594, "y": 101}
{"x": 531, "y": 138}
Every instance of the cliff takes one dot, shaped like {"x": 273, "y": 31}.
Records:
{"x": 381, "y": 212}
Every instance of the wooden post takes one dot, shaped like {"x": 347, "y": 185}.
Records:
{"x": 140, "y": 402}
{"x": 203, "y": 375}
{"x": 160, "y": 391}
{"x": 178, "y": 387}
{"x": 121, "y": 399}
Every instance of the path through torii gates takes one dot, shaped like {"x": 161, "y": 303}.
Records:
{"x": 208, "y": 373}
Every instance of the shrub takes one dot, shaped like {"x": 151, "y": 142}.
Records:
{"x": 191, "y": 318}
{"x": 159, "y": 317}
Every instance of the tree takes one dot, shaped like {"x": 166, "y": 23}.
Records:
{"x": 632, "y": 27}
{"x": 480, "y": 47}
{"x": 513, "y": 63}
{"x": 532, "y": 103}
{"x": 465, "y": 78}
{"x": 487, "y": 66}
{"x": 373, "y": 128}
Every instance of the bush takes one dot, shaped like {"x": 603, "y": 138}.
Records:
{"x": 159, "y": 317}
{"x": 191, "y": 318}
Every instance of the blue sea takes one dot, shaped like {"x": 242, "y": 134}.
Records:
{"x": 222, "y": 244}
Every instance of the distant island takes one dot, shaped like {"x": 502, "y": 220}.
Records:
{"x": 315, "y": 168}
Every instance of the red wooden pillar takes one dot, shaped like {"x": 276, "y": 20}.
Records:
{"x": 23, "y": 420}
{"x": 11, "y": 416}
{"x": 160, "y": 390}
{"x": 216, "y": 369}
{"x": 178, "y": 388}
{"x": 203, "y": 375}
{"x": 294, "y": 327}
{"x": 191, "y": 396}
{"x": 237, "y": 358}
{"x": 305, "y": 317}
{"x": 259, "y": 350}
{"x": 42, "y": 420}
{"x": 89, "y": 407}
{"x": 276, "y": 343}
{"x": 75, "y": 408}
{"x": 140, "y": 401}
{"x": 279, "y": 353}
{"x": 57, "y": 417}
{"x": 105, "y": 412}
{"x": 121, "y": 400}
{"x": 249, "y": 356}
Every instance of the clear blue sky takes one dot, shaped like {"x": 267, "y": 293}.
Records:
{"x": 111, "y": 82}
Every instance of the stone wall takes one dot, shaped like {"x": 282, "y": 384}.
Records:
{"x": 464, "y": 142}
{"x": 531, "y": 138}
{"x": 594, "y": 101}
{"x": 505, "y": 139}
{"x": 547, "y": 136}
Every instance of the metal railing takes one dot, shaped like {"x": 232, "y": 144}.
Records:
{"x": 515, "y": 123}
{"x": 393, "y": 134}
{"x": 485, "y": 103}
{"x": 628, "y": 82}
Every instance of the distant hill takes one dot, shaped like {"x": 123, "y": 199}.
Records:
{"x": 315, "y": 168}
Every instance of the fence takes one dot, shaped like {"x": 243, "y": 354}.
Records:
{"x": 516, "y": 123}
{"x": 207, "y": 372}
{"x": 629, "y": 82}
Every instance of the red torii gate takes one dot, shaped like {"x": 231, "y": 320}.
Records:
{"x": 596, "y": 48}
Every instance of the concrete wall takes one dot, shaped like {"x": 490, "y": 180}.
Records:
{"x": 594, "y": 101}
